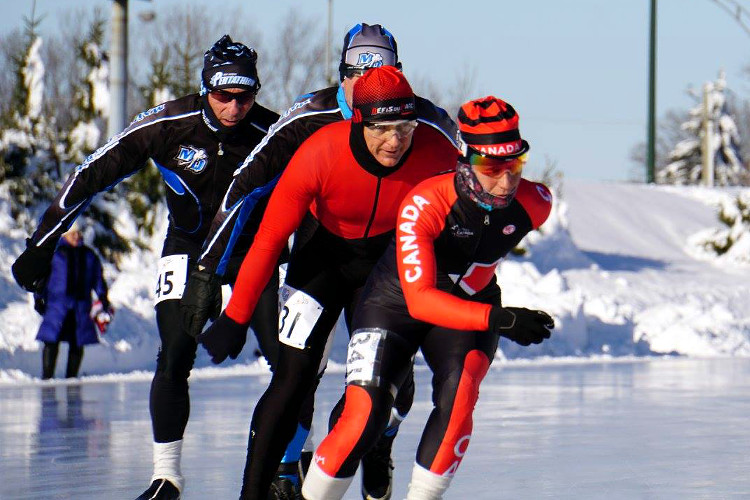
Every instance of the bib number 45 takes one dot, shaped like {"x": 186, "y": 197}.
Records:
{"x": 171, "y": 278}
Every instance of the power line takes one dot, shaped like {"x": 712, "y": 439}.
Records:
{"x": 737, "y": 11}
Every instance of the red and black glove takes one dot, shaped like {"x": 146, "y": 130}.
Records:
{"x": 225, "y": 337}
{"x": 521, "y": 325}
{"x": 102, "y": 313}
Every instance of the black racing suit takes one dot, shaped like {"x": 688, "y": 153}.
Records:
{"x": 196, "y": 157}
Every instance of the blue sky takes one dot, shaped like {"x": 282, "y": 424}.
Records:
{"x": 576, "y": 71}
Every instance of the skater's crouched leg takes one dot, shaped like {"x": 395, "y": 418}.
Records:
{"x": 169, "y": 399}
{"x": 372, "y": 385}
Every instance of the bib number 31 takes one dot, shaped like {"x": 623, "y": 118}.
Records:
{"x": 171, "y": 278}
{"x": 299, "y": 313}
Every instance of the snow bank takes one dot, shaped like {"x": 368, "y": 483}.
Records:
{"x": 614, "y": 265}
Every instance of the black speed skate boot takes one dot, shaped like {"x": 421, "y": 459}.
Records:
{"x": 305, "y": 460}
{"x": 160, "y": 489}
{"x": 377, "y": 467}
{"x": 286, "y": 484}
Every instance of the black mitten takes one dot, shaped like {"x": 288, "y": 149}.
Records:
{"x": 225, "y": 337}
{"x": 40, "y": 304}
{"x": 521, "y": 325}
{"x": 200, "y": 301}
{"x": 33, "y": 266}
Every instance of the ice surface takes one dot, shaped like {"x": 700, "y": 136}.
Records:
{"x": 634, "y": 428}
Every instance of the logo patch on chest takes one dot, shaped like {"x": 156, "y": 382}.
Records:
{"x": 461, "y": 232}
{"x": 192, "y": 158}
{"x": 509, "y": 229}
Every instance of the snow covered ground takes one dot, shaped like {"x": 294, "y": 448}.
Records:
{"x": 616, "y": 264}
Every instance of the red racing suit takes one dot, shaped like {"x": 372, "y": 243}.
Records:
{"x": 354, "y": 200}
{"x": 256, "y": 177}
{"x": 432, "y": 290}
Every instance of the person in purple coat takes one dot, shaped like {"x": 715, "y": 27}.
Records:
{"x": 65, "y": 303}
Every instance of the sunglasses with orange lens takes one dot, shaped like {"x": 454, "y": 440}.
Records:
{"x": 495, "y": 167}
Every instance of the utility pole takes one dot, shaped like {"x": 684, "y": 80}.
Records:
{"x": 118, "y": 68}
{"x": 707, "y": 149}
{"x": 651, "y": 133}
{"x": 328, "y": 73}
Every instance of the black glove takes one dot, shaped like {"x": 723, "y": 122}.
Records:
{"x": 31, "y": 269}
{"x": 521, "y": 325}
{"x": 200, "y": 301}
{"x": 40, "y": 304}
{"x": 225, "y": 337}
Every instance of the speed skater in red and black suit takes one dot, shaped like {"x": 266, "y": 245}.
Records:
{"x": 340, "y": 192}
{"x": 364, "y": 46}
{"x": 435, "y": 289}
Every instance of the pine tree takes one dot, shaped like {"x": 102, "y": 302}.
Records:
{"x": 30, "y": 157}
{"x": 685, "y": 164}
{"x": 91, "y": 100}
{"x": 732, "y": 241}
{"x": 36, "y": 158}
{"x": 91, "y": 110}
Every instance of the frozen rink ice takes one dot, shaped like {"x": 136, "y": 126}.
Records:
{"x": 653, "y": 428}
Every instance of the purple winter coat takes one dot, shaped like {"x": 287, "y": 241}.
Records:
{"x": 76, "y": 271}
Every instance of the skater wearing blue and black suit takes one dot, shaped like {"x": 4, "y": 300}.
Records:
{"x": 196, "y": 141}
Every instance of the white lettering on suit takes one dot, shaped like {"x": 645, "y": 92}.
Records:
{"x": 408, "y": 240}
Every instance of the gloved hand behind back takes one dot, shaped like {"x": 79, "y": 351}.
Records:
{"x": 200, "y": 301}
{"x": 225, "y": 337}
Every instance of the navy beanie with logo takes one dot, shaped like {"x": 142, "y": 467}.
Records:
{"x": 229, "y": 64}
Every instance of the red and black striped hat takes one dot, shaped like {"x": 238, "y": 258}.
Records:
{"x": 383, "y": 94}
{"x": 490, "y": 126}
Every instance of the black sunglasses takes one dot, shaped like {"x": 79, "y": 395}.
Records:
{"x": 354, "y": 71}
{"x": 350, "y": 71}
{"x": 225, "y": 97}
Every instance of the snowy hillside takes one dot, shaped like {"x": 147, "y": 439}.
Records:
{"x": 616, "y": 264}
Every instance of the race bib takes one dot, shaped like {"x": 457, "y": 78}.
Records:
{"x": 298, "y": 315}
{"x": 363, "y": 356}
{"x": 171, "y": 278}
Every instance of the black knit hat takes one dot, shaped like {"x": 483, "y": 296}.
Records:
{"x": 229, "y": 64}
